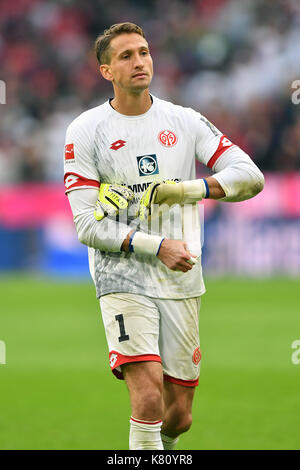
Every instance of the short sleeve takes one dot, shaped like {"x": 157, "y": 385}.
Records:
{"x": 79, "y": 167}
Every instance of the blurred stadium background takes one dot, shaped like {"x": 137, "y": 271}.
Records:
{"x": 233, "y": 61}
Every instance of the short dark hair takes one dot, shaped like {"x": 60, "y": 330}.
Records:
{"x": 102, "y": 43}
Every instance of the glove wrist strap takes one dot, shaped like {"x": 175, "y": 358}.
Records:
{"x": 142, "y": 243}
{"x": 194, "y": 190}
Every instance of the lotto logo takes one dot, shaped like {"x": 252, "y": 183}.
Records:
{"x": 225, "y": 142}
{"x": 113, "y": 359}
{"x": 118, "y": 144}
{"x": 70, "y": 180}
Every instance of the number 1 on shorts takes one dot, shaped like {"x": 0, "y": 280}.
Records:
{"x": 123, "y": 336}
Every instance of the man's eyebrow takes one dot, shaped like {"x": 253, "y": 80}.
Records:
{"x": 130, "y": 50}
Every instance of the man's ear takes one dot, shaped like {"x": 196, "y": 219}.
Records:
{"x": 105, "y": 72}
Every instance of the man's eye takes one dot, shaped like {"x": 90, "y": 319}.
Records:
{"x": 125, "y": 56}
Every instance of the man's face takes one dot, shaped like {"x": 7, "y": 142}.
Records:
{"x": 131, "y": 65}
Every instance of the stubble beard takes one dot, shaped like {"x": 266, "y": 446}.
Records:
{"x": 134, "y": 89}
{"x": 141, "y": 88}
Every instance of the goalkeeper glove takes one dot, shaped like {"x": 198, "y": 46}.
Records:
{"x": 170, "y": 192}
{"x": 111, "y": 199}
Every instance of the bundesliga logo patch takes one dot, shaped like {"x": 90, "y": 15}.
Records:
{"x": 147, "y": 165}
{"x": 69, "y": 152}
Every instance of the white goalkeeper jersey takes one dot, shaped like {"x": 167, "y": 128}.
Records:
{"x": 104, "y": 146}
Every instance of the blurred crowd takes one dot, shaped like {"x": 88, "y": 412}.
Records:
{"x": 234, "y": 61}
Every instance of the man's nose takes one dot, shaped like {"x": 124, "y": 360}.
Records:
{"x": 138, "y": 61}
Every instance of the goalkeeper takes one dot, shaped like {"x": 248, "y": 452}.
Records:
{"x": 123, "y": 159}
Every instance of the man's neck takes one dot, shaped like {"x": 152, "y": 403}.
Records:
{"x": 132, "y": 105}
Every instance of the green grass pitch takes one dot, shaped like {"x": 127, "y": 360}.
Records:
{"x": 57, "y": 391}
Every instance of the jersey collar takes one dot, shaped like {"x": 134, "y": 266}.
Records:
{"x": 139, "y": 116}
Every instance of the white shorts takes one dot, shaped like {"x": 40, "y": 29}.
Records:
{"x": 140, "y": 328}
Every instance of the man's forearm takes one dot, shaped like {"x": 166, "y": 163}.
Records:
{"x": 215, "y": 189}
{"x": 105, "y": 235}
{"x": 236, "y": 178}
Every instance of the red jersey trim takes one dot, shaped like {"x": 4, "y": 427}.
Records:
{"x": 224, "y": 145}
{"x": 116, "y": 359}
{"x": 185, "y": 383}
{"x": 73, "y": 181}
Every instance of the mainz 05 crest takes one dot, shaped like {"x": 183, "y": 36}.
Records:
{"x": 167, "y": 138}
